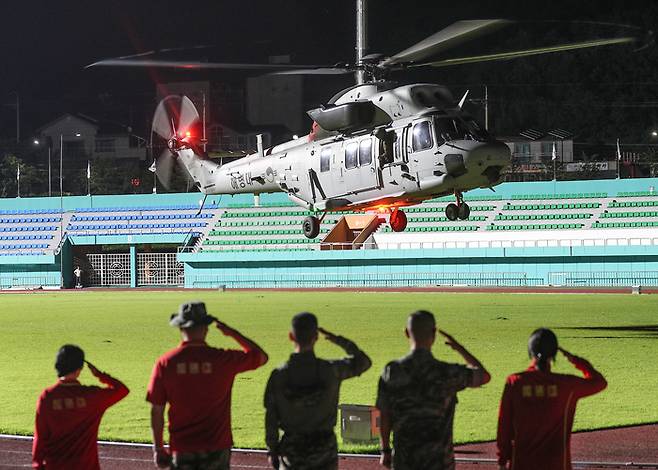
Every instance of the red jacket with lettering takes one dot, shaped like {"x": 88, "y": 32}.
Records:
{"x": 196, "y": 380}
{"x": 68, "y": 415}
{"x": 536, "y": 416}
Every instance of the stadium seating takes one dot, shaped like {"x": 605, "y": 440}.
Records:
{"x": 140, "y": 220}
{"x": 277, "y": 225}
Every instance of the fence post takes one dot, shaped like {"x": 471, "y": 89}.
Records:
{"x": 133, "y": 266}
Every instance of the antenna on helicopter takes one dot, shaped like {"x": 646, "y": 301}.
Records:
{"x": 463, "y": 100}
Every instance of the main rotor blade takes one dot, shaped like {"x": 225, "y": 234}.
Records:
{"x": 160, "y": 51}
{"x": 192, "y": 65}
{"x": 188, "y": 115}
{"x": 316, "y": 71}
{"x": 447, "y": 38}
{"x": 526, "y": 52}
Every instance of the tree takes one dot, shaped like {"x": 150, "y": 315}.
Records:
{"x": 30, "y": 181}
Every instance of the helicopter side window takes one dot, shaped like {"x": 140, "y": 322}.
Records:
{"x": 422, "y": 136}
{"x": 325, "y": 158}
{"x": 365, "y": 152}
{"x": 351, "y": 151}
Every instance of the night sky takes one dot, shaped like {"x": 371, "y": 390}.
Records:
{"x": 46, "y": 44}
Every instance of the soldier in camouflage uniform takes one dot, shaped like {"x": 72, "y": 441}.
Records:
{"x": 417, "y": 395}
{"x": 301, "y": 399}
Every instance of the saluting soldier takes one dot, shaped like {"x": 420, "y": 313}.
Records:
{"x": 69, "y": 413}
{"x": 417, "y": 395}
{"x": 196, "y": 380}
{"x": 301, "y": 399}
{"x": 538, "y": 407}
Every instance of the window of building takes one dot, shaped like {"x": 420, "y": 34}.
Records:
{"x": 350, "y": 155}
{"x": 422, "y": 136}
{"x": 522, "y": 149}
{"x": 365, "y": 152}
{"x": 104, "y": 146}
{"x": 325, "y": 158}
{"x": 547, "y": 149}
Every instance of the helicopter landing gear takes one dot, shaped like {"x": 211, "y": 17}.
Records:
{"x": 398, "y": 220}
{"x": 464, "y": 211}
{"x": 452, "y": 211}
{"x": 461, "y": 210}
{"x": 311, "y": 226}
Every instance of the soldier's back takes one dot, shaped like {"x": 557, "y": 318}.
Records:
{"x": 420, "y": 394}
{"x": 306, "y": 390}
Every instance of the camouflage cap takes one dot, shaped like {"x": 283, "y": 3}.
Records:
{"x": 191, "y": 314}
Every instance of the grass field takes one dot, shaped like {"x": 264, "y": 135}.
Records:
{"x": 124, "y": 332}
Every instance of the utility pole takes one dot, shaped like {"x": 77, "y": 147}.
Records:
{"x": 486, "y": 108}
{"x": 50, "y": 180}
{"x": 361, "y": 37}
{"x": 61, "y": 165}
{"x": 18, "y": 116}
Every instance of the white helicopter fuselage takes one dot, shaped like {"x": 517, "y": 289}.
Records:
{"x": 418, "y": 145}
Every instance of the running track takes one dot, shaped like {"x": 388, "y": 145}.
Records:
{"x": 630, "y": 448}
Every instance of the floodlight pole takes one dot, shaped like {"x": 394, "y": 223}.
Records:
{"x": 361, "y": 38}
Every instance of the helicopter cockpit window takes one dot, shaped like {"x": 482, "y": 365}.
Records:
{"x": 476, "y": 131}
{"x": 365, "y": 152}
{"x": 448, "y": 128}
{"x": 350, "y": 155}
{"x": 422, "y": 136}
{"x": 325, "y": 159}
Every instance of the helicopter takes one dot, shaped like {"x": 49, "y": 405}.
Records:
{"x": 376, "y": 146}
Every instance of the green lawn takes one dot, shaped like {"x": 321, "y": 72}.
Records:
{"x": 124, "y": 332}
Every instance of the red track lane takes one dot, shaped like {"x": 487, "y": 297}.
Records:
{"x": 631, "y": 447}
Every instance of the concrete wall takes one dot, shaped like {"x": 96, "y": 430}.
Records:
{"x": 629, "y": 265}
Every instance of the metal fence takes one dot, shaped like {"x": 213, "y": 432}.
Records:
{"x": 109, "y": 270}
{"x": 153, "y": 269}
{"x": 354, "y": 280}
{"x": 159, "y": 269}
{"x": 604, "y": 278}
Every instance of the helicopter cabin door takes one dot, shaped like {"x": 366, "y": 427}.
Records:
{"x": 330, "y": 174}
{"x": 360, "y": 165}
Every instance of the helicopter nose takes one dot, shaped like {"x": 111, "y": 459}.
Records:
{"x": 489, "y": 159}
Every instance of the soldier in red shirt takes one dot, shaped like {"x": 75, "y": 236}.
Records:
{"x": 538, "y": 407}
{"x": 196, "y": 381}
{"x": 68, "y": 415}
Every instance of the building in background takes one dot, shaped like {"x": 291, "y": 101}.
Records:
{"x": 85, "y": 138}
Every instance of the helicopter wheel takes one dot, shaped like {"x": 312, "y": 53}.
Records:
{"x": 398, "y": 220}
{"x": 463, "y": 211}
{"x": 452, "y": 211}
{"x": 311, "y": 227}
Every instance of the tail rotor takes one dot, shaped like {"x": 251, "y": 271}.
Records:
{"x": 175, "y": 127}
